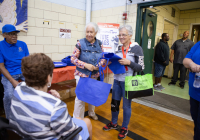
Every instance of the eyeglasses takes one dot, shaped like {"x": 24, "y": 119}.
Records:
{"x": 122, "y": 35}
{"x": 12, "y": 33}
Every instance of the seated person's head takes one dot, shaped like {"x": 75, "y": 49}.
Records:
{"x": 37, "y": 70}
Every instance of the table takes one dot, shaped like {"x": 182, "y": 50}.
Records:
{"x": 67, "y": 73}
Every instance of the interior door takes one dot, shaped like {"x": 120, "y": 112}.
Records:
{"x": 148, "y": 38}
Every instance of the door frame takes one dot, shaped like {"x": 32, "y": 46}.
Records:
{"x": 148, "y": 49}
{"x": 175, "y": 30}
{"x": 175, "y": 35}
{"x": 146, "y": 5}
{"x": 191, "y": 26}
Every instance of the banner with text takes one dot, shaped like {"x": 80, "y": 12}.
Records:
{"x": 108, "y": 36}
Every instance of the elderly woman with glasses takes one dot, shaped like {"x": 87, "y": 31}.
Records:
{"x": 39, "y": 114}
{"x": 85, "y": 56}
{"x": 133, "y": 60}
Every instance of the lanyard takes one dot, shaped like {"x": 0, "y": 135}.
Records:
{"x": 124, "y": 54}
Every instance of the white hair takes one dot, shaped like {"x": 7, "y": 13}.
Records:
{"x": 128, "y": 28}
{"x": 94, "y": 25}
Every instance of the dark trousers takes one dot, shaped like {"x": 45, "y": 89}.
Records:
{"x": 1, "y": 94}
{"x": 182, "y": 69}
{"x": 195, "y": 113}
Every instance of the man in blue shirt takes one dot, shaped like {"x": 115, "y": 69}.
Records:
{"x": 11, "y": 53}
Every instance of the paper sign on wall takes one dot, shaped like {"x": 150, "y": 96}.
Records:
{"x": 65, "y": 33}
{"x": 149, "y": 44}
{"x": 108, "y": 36}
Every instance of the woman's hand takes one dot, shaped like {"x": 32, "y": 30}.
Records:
{"x": 194, "y": 67}
{"x": 109, "y": 62}
{"x": 96, "y": 68}
{"x": 124, "y": 61}
{"x": 54, "y": 93}
{"x": 15, "y": 83}
{"x": 90, "y": 67}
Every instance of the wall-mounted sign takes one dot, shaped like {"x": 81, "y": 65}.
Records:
{"x": 65, "y": 33}
{"x": 149, "y": 44}
{"x": 108, "y": 36}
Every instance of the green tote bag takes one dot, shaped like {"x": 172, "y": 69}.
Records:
{"x": 139, "y": 86}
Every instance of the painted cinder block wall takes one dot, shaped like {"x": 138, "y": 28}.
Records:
{"x": 71, "y": 15}
{"x": 186, "y": 18}
{"x": 45, "y": 37}
{"x": 45, "y": 18}
{"x": 169, "y": 28}
{"x": 162, "y": 16}
{"x": 114, "y": 15}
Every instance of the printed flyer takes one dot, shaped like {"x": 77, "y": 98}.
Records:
{"x": 108, "y": 36}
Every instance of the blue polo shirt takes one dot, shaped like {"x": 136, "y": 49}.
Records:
{"x": 11, "y": 55}
{"x": 194, "y": 54}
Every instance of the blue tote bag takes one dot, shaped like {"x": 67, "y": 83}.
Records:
{"x": 59, "y": 64}
{"x": 67, "y": 60}
{"x": 92, "y": 91}
{"x": 115, "y": 66}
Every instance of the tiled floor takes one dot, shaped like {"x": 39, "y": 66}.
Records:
{"x": 175, "y": 90}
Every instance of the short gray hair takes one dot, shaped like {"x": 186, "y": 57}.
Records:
{"x": 94, "y": 25}
{"x": 128, "y": 28}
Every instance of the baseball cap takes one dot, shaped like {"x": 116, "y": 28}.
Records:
{"x": 9, "y": 28}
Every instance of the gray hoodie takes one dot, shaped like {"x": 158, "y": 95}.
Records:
{"x": 135, "y": 55}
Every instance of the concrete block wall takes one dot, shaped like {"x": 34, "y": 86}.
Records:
{"x": 78, "y": 4}
{"x": 114, "y": 15}
{"x": 165, "y": 13}
{"x": 44, "y": 21}
{"x": 186, "y": 18}
{"x": 169, "y": 28}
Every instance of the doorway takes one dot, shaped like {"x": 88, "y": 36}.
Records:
{"x": 195, "y": 32}
{"x": 172, "y": 29}
{"x": 172, "y": 18}
{"x": 148, "y": 38}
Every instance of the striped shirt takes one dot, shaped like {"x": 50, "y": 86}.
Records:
{"x": 40, "y": 115}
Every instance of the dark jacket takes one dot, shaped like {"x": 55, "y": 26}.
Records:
{"x": 162, "y": 53}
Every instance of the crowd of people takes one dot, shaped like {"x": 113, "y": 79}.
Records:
{"x": 179, "y": 50}
{"x": 40, "y": 114}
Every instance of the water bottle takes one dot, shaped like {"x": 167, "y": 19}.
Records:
{"x": 196, "y": 83}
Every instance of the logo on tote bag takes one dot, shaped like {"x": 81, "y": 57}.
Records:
{"x": 134, "y": 82}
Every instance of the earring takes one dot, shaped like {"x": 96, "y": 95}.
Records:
{"x": 49, "y": 85}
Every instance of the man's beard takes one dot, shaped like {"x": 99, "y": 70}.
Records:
{"x": 185, "y": 37}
